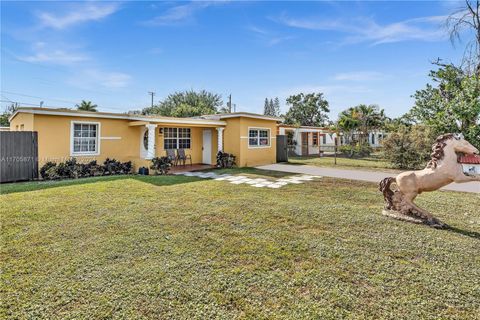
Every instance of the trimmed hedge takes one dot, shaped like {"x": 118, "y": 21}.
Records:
{"x": 161, "y": 165}
{"x": 71, "y": 169}
{"x": 225, "y": 160}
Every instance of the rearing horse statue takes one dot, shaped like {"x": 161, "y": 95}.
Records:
{"x": 441, "y": 170}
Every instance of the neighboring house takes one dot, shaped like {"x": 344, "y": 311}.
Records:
{"x": 308, "y": 141}
{"x": 305, "y": 140}
{"x": 65, "y": 133}
{"x": 375, "y": 138}
{"x": 470, "y": 164}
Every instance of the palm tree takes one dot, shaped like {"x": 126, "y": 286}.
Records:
{"x": 361, "y": 119}
{"x": 87, "y": 106}
{"x": 348, "y": 122}
{"x": 371, "y": 118}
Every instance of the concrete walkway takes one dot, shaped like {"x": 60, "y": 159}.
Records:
{"x": 362, "y": 175}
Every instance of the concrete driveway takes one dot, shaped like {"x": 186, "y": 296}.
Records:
{"x": 371, "y": 176}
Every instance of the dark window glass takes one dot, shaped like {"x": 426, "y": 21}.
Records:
{"x": 258, "y": 137}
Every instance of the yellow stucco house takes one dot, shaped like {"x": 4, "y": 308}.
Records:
{"x": 65, "y": 133}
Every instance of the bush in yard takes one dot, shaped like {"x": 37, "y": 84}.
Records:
{"x": 126, "y": 167}
{"x": 161, "y": 165}
{"x": 52, "y": 173}
{"x": 72, "y": 169}
{"x": 45, "y": 168}
{"x": 111, "y": 166}
{"x": 408, "y": 147}
{"x": 225, "y": 160}
{"x": 62, "y": 170}
{"x": 91, "y": 169}
{"x": 356, "y": 151}
{"x": 94, "y": 169}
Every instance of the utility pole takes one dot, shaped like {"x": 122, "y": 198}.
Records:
{"x": 229, "y": 103}
{"x": 152, "y": 94}
{"x": 335, "y": 147}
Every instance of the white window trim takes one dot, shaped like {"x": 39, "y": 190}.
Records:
{"x": 259, "y": 147}
{"x": 143, "y": 151}
{"x": 177, "y": 138}
{"x": 75, "y": 154}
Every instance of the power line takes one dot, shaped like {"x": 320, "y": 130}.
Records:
{"x": 19, "y": 103}
{"x": 52, "y": 99}
{"x": 7, "y": 99}
{"x": 24, "y": 103}
{"x": 36, "y": 97}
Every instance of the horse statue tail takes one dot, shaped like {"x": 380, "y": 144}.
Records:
{"x": 384, "y": 187}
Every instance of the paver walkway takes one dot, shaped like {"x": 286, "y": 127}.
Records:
{"x": 258, "y": 182}
{"x": 371, "y": 176}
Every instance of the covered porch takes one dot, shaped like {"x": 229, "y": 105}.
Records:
{"x": 200, "y": 140}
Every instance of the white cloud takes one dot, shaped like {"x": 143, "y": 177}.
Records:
{"x": 257, "y": 30}
{"x": 268, "y": 37}
{"x": 359, "y": 76}
{"x": 367, "y": 30}
{"x": 55, "y": 56}
{"x": 94, "y": 78}
{"x": 52, "y": 55}
{"x": 179, "y": 14}
{"x": 109, "y": 79}
{"x": 85, "y": 12}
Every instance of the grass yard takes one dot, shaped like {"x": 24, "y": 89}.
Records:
{"x": 367, "y": 163}
{"x": 189, "y": 248}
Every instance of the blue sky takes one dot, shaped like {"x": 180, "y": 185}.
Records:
{"x": 113, "y": 53}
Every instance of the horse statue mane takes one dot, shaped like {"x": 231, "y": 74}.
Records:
{"x": 442, "y": 169}
{"x": 437, "y": 150}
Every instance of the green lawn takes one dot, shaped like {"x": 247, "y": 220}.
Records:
{"x": 367, "y": 163}
{"x": 182, "y": 248}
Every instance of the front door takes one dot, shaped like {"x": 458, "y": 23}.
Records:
{"x": 207, "y": 147}
{"x": 304, "y": 143}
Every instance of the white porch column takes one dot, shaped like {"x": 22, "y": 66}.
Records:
{"x": 220, "y": 138}
{"x": 151, "y": 141}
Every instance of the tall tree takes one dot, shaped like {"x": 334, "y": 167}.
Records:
{"x": 307, "y": 109}
{"x": 453, "y": 105}
{"x": 276, "y": 107}
{"x": 187, "y": 104}
{"x": 266, "y": 107}
{"x": 467, "y": 19}
{"x": 7, "y": 112}
{"x": 272, "y": 107}
{"x": 87, "y": 106}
